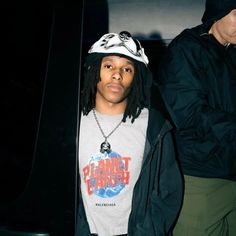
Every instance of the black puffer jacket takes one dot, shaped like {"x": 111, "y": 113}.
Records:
{"x": 198, "y": 83}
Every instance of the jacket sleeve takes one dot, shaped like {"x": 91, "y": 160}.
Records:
{"x": 211, "y": 129}
{"x": 166, "y": 196}
{"x": 82, "y": 227}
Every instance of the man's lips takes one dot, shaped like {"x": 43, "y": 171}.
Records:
{"x": 115, "y": 87}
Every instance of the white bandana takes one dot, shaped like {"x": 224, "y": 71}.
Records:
{"x": 121, "y": 43}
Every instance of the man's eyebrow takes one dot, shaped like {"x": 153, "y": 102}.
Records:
{"x": 112, "y": 60}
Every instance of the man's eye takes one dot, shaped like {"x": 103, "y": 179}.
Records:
{"x": 129, "y": 70}
{"x": 108, "y": 66}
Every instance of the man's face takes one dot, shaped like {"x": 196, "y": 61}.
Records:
{"x": 117, "y": 74}
{"x": 226, "y": 27}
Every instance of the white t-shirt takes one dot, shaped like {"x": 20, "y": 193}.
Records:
{"x": 107, "y": 180}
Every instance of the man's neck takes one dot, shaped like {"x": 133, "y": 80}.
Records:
{"x": 110, "y": 108}
{"x": 213, "y": 30}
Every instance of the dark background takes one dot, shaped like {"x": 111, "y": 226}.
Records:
{"x": 25, "y": 32}
{"x": 41, "y": 54}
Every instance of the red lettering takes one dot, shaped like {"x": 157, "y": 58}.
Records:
{"x": 126, "y": 160}
{"x": 99, "y": 183}
{"x": 108, "y": 172}
{"x": 86, "y": 172}
{"x": 124, "y": 177}
{"x": 101, "y": 168}
{"x": 89, "y": 186}
{"x": 110, "y": 165}
{"x": 92, "y": 170}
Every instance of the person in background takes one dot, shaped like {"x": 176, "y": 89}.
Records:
{"x": 129, "y": 179}
{"x": 197, "y": 80}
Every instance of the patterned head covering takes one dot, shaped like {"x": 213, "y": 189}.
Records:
{"x": 121, "y": 43}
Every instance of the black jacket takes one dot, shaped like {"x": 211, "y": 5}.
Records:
{"x": 157, "y": 194}
{"x": 197, "y": 79}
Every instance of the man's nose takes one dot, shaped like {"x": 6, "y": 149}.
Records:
{"x": 117, "y": 75}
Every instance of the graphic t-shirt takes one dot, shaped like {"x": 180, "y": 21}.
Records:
{"x": 108, "y": 179}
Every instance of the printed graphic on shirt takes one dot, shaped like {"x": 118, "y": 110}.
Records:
{"x": 106, "y": 174}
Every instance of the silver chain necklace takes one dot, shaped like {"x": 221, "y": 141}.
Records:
{"x": 105, "y": 146}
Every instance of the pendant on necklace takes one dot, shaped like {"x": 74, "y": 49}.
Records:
{"x": 105, "y": 147}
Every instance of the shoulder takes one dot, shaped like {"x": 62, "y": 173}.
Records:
{"x": 157, "y": 104}
{"x": 185, "y": 50}
{"x": 158, "y": 121}
{"x": 189, "y": 39}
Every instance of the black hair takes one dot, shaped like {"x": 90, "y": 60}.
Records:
{"x": 137, "y": 97}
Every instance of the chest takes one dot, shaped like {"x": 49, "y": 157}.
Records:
{"x": 217, "y": 76}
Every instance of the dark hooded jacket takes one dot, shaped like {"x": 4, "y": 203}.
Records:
{"x": 158, "y": 192}
{"x": 198, "y": 83}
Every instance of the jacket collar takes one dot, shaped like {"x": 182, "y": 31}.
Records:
{"x": 157, "y": 126}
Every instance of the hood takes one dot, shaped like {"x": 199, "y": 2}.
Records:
{"x": 216, "y": 9}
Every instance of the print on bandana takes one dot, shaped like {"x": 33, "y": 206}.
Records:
{"x": 106, "y": 174}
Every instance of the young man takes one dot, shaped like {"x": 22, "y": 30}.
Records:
{"x": 198, "y": 83}
{"x": 130, "y": 183}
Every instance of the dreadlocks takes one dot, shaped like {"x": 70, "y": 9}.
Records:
{"x": 137, "y": 98}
